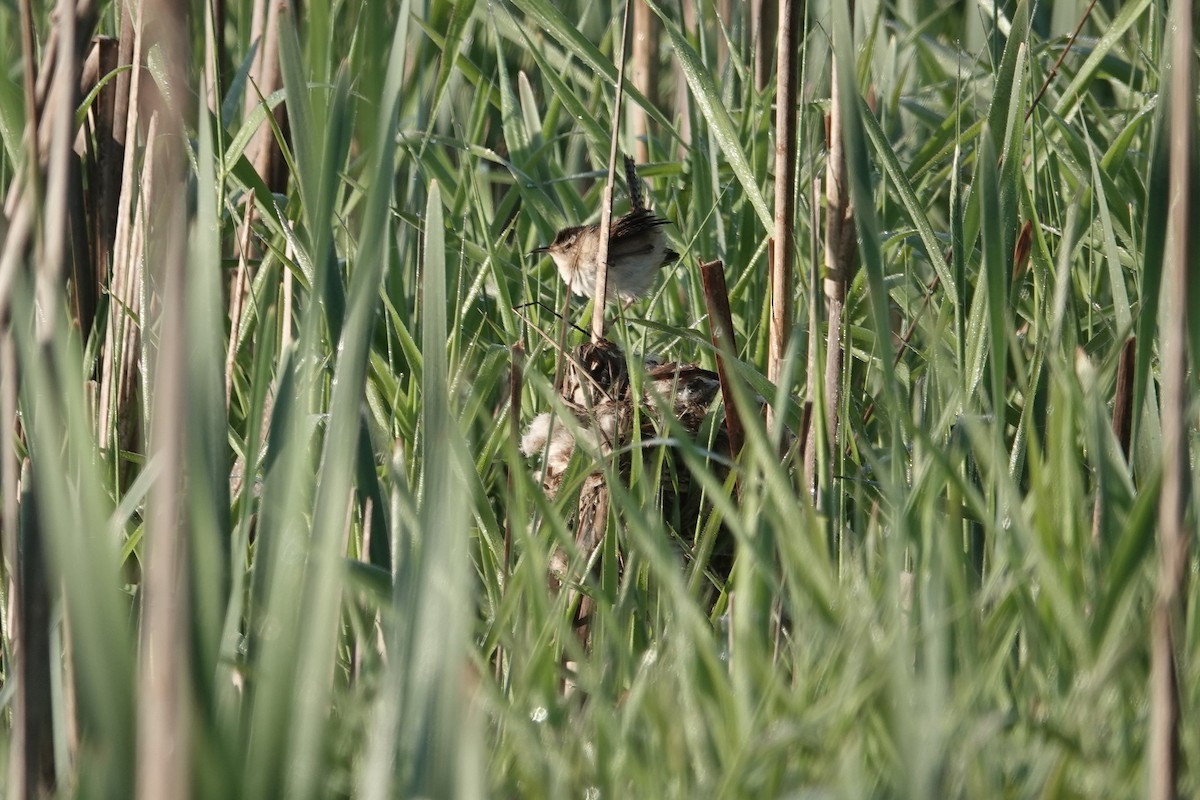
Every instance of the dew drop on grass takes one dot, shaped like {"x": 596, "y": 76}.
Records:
{"x": 649, "y": 659}
{"x": 538, "y": 714}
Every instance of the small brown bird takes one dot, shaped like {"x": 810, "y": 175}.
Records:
{"x": 637, "y": 250}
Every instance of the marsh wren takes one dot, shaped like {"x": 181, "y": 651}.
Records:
{"x": 637, "y": 250}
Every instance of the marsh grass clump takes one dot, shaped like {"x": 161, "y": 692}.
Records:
{"x": 609, "y": 425}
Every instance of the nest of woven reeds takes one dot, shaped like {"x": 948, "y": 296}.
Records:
{"x": 676, "y": 401}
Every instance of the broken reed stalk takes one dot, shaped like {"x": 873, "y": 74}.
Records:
{"x": 716, "y": 300}
{"x": 1170, "y": 603}
{"x": 785, "y": 196}
{"x": 606, "y": 204}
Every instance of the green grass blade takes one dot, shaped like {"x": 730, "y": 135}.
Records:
{"x": 916, "y": 212}
{"x": 724, "y": 131}
{"x": 1129, "y": 13}
{"x": 859, "y": 169}
{"x": 994, "y": 267}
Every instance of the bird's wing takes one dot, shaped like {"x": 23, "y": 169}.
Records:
{"x": 626, "y": 238}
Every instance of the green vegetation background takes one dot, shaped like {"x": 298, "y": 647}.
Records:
{"x": 967, "y": 599}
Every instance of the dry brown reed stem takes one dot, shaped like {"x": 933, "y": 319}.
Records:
{"x": 716, "y": 300}
{"x": 264, "y": 155}
{"x": 22, "y": 197}
{"x": 51, "y": 96}
{"x": 724, "y": 16}
{"x": 644, "y": 76}
{"x": 119, "y": 369}
{"x": 163, "y": 733}
{"x": 687, "y": 12}
{"x": 32, "y": 589}
{"x": 839, "y": 260}
{"x": 782, "y": 271}
{"x": 124, "y": 79}
{"x": 761, "y": 36}
{"x": 263, "y": 152}
{"x": 1122, "y": 417}
{"x": 32, "y": 109}
{"x": 601, "y": 291}
{"x": 104, "y": 174}
{"x": 62, "y": 213}
{"x": 1173, "y": 542}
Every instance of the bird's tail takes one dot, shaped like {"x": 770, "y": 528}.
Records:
{"x": 636, "y": 199}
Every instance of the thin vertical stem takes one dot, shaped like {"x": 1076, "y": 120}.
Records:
{"x": 785, "y": 193}
{"x": 839, "y": 257}
{"x": 1164, "y": 764}
{"x": 645, "y": 76}
{"x": 760, "y": 40}
{"x": 840, "y": 248}
{"x": 34, "y": 739}
{"x": 32, "y": 112}
{"x": 163, "y": 749}
{"x": 716, "y": 300}
{"x": 606, "y": 205}
{"x": 61, "y": 108}
{"x": 814, "y": 324}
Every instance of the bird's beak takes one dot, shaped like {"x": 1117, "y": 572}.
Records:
{"x": 542, "y": 249}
